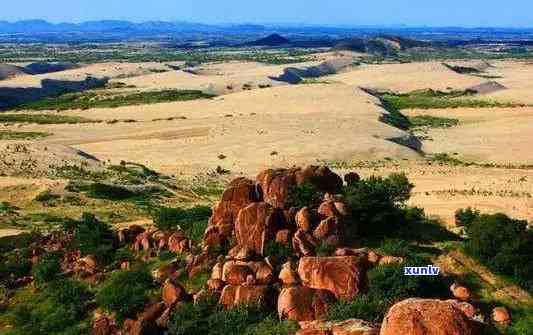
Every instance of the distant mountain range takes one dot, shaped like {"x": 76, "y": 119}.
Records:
{"x": 117, "y": 26}
{"x": 41, "y": 26}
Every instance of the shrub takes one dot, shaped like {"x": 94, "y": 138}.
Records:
{"x": 59, "y": 309}
{"x": 304, "y": 195}
{"x": 503, "y": 244}
{"x": 14, "y": 263}
{"x": 394, "y": 247}
{"x": 464, "y": 217}
{"x": 277, "y": 250}
{"x": 272, "y": 326}
{"x": 190, "y": 318}
{"x": 235, "y": 320}
{"x": 365, "y": 307}
{"x": 109, "y": 192}
{"x": 48, "y": 268}
{"x": 92, "y": 237}
{"x": 125, "y": 292}
{"x": 192, "y": 220}
{"x": 375, "y": 204}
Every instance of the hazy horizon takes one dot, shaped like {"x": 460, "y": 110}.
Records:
{"x": 411, "y": 13}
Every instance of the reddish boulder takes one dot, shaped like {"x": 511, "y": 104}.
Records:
{"x": 235, "y": 273}
{"x": 501, "y": 315}
{"x": 275, "y": 185}
{"x": 240, "y": 193}
{"x": 426, "y": 317}
{"x": 460, "y": 292}
{"x": 344, "y": 276}
{"x": 327, "y": 227}
{"x": 300, "y": 303}
{"x": 328, "y": 209}
{"x": 263, "y": 272}
{"x": 304, "y": 220}
{"x": 128, "y": 235}
{"x": 104, "y": 326}
{"x": 233, "y": 295}
{"x": 283, "y": 237}
{"x": 257, "y": 224}
{"x": 288, "y": 276}
{"x": 173, "y": 293}
{"x": 467, "y": 308}
{"x": 179, "y": 243}
{"x": 304, "y": 243}
{"x": 214, "y": 285}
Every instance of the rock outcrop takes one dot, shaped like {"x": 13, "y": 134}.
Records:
{"x": 426, "y": 317}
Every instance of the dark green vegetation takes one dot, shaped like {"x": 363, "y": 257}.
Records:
{"x": 304, "y": 195}
{"x": 430, "y": 99}
{"x": 60, "y": 307}
{"x": 126, "y": 292}
{"x": 428, "y": 121}
{"x": 91, "y": 237}
{"x": 193, "y": 221}
{"x": 43, "y": 118}
{"x": 206, "y": 317}
{"x": 503, "y": 244}
{"x": 96, "y": 99}
{"x": 22, "y": 135}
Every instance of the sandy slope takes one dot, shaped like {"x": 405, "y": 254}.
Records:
{"x": 111, "y": 70}
{"x": 406, "y": 77}
{"x": 274, "y": 126}
{"x": 501, "y": 135}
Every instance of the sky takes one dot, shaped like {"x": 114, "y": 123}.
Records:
{"x": 467, "y": 13}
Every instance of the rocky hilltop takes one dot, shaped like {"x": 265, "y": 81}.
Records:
{"x": 282, "y": 243}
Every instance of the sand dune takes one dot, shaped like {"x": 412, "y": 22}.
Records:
{"x": 253, "y": 129}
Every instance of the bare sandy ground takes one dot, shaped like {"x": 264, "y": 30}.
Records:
{"x": 441, "y": 190}
{"x": 253, "y": 129}
{"x": 500, "y": 135}
{"x": 110, "y": 70}
{"x": 407, "y": 77}
{"x": 306, "y": 124}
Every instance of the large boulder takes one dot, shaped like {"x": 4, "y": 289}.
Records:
{"x": 173, "y": 293}
{"x": 257, "y": 224}
{"x": 233, "y": 295}
{"x": 275, "y": 185}
{"x": 300, "y": 303}
{"x": 240, "y": 193}
{"x": 344, "y": 276}
{"x": 426, "y": 317}
{"x": 235, "y": 273}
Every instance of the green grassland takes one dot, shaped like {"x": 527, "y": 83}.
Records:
{"x": 97, "y": 99}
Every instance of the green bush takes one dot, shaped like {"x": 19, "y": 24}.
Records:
{"x": 503, "y": 244}
{"x": 48, "y": 268}
{"x": 277, "y": 251}
{"x": 464, "y": 217}
{"x": 190, "y": 318}
{"x": 208, "y": 318}
{"x": 304, "y": 195}
{"x": 92, "y": 237}
{"x": 394, "y": 247}
{"x": 109, "y": 192}
{"x": 125, "y": 292}
{"x": 272, "y": 326}
{"x": 365, "y": 307}
{"x": 59, "y": 309}
{"x": 192, "y": 220}
{"x": 375, "y": 205}
{"x": 16, "y": 263}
